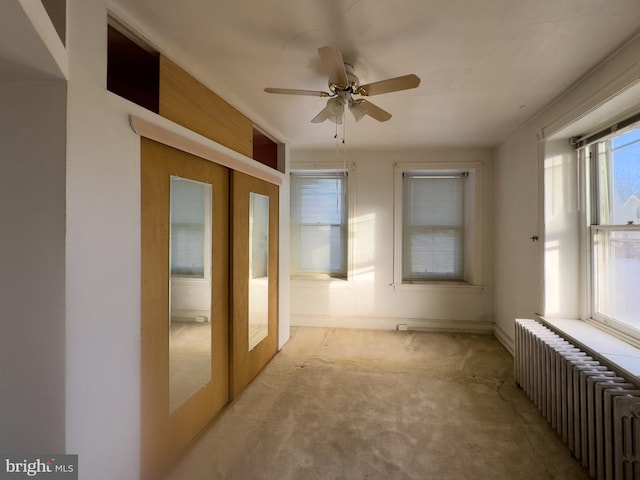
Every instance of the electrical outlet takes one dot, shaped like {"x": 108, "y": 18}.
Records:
{"x": 402, "y": 327}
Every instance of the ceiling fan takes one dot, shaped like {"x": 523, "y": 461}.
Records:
{"x": 344, "y": 84}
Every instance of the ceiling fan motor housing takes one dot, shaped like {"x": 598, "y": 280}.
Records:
{"x": 352, "y": 87}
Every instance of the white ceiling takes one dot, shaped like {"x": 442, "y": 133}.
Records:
{"x": 486, "y": 65}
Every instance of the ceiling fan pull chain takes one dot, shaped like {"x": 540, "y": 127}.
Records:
{"x": 344, "y": 144}
{"x": 344, "y": 129}
{"x": 336, "y": 138}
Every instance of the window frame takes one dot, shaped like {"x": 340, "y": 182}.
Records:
{"x": 412, "y": 228}
{"x": 320, "y": 169}
{"x": 593, "y": 225}
{"x": 473, "y": 199}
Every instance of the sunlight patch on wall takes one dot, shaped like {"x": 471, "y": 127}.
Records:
{"x": 364, "y": 233}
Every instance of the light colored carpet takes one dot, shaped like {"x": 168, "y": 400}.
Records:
{"x": 365, "y": 404}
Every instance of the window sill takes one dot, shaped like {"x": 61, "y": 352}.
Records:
{"x": 618, "y": 354}
{"x": 438, "y": 287}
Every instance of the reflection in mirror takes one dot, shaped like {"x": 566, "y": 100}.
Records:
{"x": 190, "y": 289}
{"x": 258, "y": 268}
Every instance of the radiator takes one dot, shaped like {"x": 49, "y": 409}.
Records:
{"x": 593, "y": 409}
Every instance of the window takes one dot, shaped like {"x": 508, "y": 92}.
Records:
{"x": 614, "y": 192}
{"x": 432, "y": 226}
{"x": 319, "y": 223}
{"x": 437, "y": 224}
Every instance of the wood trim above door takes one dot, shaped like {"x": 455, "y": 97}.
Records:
{"x": 187, "y": 101}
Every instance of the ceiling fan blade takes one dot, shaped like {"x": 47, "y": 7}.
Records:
{"x": 363, "y": 107}
{"x": 334, "y": 64}
{"x": 326, "y": 114}
{"x": 404, "y": 82}
{"x": 322, "y": 116}
{"x": 291, "y": 91}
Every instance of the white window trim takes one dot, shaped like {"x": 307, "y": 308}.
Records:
{"x": 596, "y": 317}
{"x": 589, "y": 314}
{"x": 473, "y": 227}
{"x": 311, "y": 279}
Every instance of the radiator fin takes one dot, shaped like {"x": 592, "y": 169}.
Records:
{"x": 595, "y": 410}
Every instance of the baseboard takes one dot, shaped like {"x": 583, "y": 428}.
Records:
{"x": 391, "y": 323}
{"x": 504, "y": 338}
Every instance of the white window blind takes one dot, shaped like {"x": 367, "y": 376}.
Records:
{"x": 190, "y": 209}
{"x": 433, "y": 227}
{"x": 319, "y": 223}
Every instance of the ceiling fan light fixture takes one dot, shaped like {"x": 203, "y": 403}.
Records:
{"x": 336, "y": 106}
{"x": 358, "y": 110}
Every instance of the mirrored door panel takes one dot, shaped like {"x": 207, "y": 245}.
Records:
{"x": 258, "y": 316}
{"x": 185, "y": 299}
{"x": 255, "y": 277}
{"x": 189, "y": 288}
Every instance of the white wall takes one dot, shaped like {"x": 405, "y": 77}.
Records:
{"x": 32, "y": 213}
{"x": 519, "y": 192}
{"x": 284, "y": 317}
{"x": 190, "y": 297}
{"x": 369, "y": 300}
{"x": 103, "y": 259}
{"x": 517, "y": 268}
{"x": 561, "y": 231}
